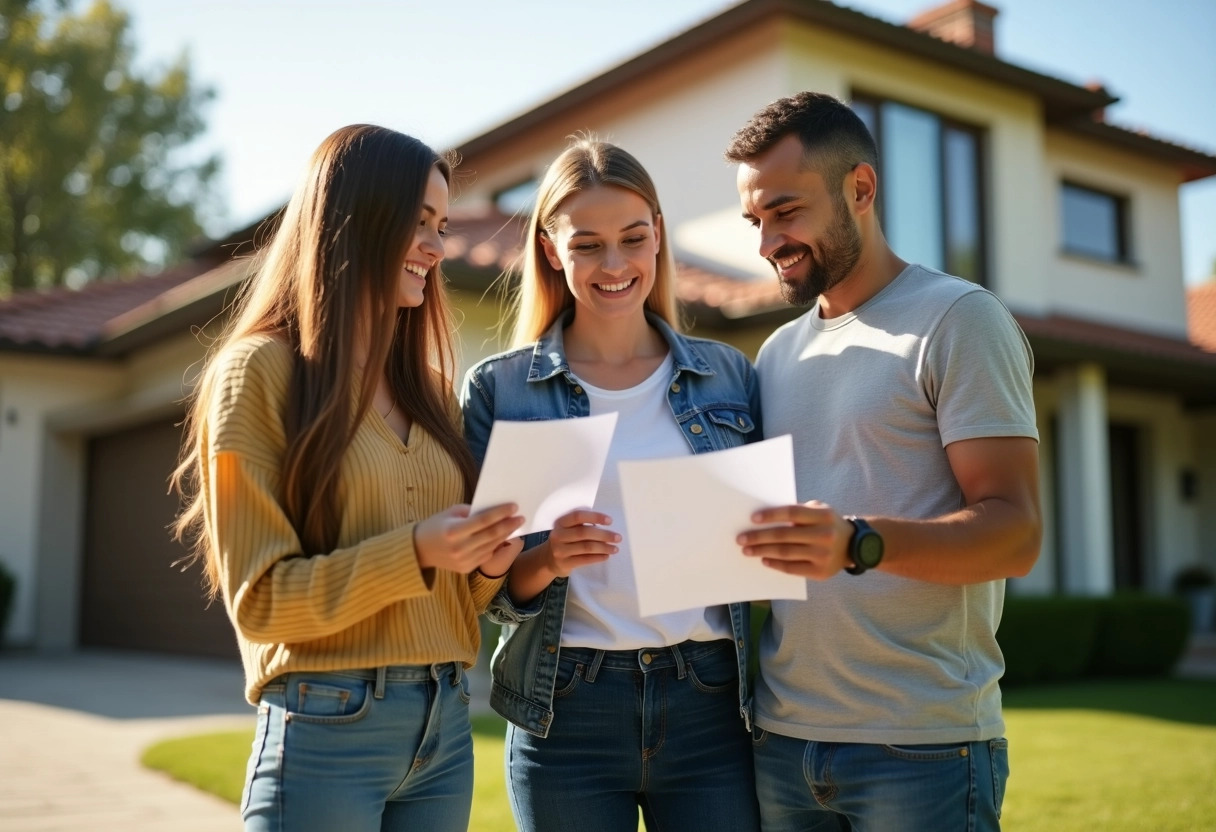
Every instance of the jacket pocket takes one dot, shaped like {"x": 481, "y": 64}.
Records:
{"x": 732, "y": 425}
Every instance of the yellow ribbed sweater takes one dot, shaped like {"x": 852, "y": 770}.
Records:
{"x": 365, "y": 604}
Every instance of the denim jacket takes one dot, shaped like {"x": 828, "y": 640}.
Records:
{"x": 715, "y": 400}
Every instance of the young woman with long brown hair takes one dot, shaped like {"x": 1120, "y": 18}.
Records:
{"x": 325, "y": 477}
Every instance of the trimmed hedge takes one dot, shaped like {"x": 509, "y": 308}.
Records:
{"x": 1140, "y": 635}
{"x": 1063, "y": 638}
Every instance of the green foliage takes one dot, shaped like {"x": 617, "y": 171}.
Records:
{"x": 1195, "y": 576}
{"x": 1139, "y": 635}
{"x": 1047, "y": 639}
{"x": 1063, "y": 638}
{"x": 91, "y": 180}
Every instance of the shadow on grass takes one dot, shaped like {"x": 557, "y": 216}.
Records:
{"x": 1175, "y": 700}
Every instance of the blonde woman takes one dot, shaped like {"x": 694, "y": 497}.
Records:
{"x": 325, "y": 474}
{"x": 609, "y": 710}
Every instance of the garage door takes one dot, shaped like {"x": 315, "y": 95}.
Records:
{"x": 131, "y": 595}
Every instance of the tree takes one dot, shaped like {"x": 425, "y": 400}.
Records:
{"x": 91, "y": 180}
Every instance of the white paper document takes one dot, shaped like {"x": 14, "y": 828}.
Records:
{"x": 682, "y": 516}
{"x": 546, "y": 467}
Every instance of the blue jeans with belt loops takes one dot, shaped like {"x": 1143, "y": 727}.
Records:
{"x": 360, "y": 750}
{"x": 807, "y": 786}
{"x": 657, "y": 728}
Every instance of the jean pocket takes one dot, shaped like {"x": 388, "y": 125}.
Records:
{"x": 331, "y": 700}
{"x": 569, "y": 674}
{"x": 929, "y": 753}
{"x": 715, "y": 673}
{"x": 998, "y": 750}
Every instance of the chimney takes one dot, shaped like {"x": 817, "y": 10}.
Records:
{"x": 967, "y": 23}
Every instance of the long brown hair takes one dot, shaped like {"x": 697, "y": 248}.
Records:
{"x": 542, "y": 294}
{"x": 326, "y": 283}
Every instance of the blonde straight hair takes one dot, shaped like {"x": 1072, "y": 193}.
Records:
{"x": 542, "y": 294}
{"x": 328, "y": 280}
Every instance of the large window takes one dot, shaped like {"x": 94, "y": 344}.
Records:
{"x": 517, "y": 199}
{"x": 1094, "y": 223}
{"x": 931, "y": 186}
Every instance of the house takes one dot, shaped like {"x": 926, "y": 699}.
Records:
{"x": 1003, "y": 175}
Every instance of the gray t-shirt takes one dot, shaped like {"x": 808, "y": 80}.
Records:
{"x": 871, "y": 399}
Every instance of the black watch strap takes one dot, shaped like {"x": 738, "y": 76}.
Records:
{"x": 865, "y": 547}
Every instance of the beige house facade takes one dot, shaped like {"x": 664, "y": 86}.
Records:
{"x": 1006, "y": 176}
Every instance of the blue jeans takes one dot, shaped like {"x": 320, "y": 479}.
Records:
{"x": 362, "y": 750}
{"x": 828, "y": 786}
{"x": 656, "y": 728}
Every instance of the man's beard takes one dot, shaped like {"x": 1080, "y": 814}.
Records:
{"x": 838, "y": 255}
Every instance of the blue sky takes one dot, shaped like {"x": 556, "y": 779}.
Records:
{"x": 290, "y": 71}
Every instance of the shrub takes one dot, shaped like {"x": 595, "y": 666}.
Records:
{"x": 1139, "y": 635}
{"x": 1047, "y": 639}
{"x": 1193, "y": 577}
{"x": 1061, "y": 638}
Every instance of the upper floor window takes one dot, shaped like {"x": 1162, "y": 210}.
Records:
{"x": 517, "y": 199}
{"x": 931, "y": 186}
{"x": 1094, "y": 223}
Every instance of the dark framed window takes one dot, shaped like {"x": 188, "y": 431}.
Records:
{"x": 1093, "y": 223}
{"x": 931, "y": 185}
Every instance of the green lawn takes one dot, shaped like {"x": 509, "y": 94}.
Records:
{"x": 1115, "y": 756}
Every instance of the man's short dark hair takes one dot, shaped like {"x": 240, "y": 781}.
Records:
{"x": 834, "y": 140}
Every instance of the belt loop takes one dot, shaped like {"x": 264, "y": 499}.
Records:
{"x": 378, "y": 690}
{"x": 457, "y": 672}
{"x": 595, "y": 666}
{"x": 681, "y": 667}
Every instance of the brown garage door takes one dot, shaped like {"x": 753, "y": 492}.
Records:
{"x": 131, "y": 595}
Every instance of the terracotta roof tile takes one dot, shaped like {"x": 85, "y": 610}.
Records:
{"x": 1113, "y": 339}
{"x": 71, "y": 320}
{"x": 487, "y": 240}
{"x": 1201, "y": 315}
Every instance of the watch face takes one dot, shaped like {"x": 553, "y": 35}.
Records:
{"x": 869, "y": 550}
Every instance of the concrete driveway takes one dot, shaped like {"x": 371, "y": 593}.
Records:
{"x": 72, "y": 728}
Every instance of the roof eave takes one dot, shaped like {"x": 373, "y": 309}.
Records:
{"x": 1061, "y": 99}
{"x": 1192, "y": 163}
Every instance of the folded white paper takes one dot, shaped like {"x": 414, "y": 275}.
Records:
{"x": 682, "y": 516}
{"x": 546, "y": 467}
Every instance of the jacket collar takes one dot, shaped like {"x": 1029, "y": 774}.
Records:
{"x": 549, "y": 354}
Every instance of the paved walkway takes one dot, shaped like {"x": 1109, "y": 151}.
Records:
{"x": 74, "y": 726}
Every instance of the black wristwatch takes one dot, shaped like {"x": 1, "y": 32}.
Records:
{"x": 865, "y": 547}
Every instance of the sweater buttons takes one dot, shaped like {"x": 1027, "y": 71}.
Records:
{"x": 696, "y": 429}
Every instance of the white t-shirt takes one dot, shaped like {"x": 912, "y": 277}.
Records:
{"x": 601, "y": 601}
